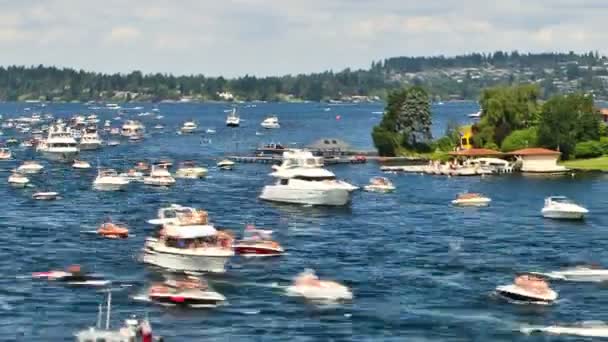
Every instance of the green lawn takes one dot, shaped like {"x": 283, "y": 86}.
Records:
{"x": 600, "y": 163}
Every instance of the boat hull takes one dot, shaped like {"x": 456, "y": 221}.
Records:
{"x": 89, "y": 146}
{"x": 109, "y": 187}
{"x": 186, "y": 301}
{"x": 515, "y": 293}
{"x": 252, "y": 250}
{"x": 563, "y": 215}
{"x": 329, "y": 197}
{"x": 181, "y": 262}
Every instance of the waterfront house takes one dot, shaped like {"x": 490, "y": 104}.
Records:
{"x": 330, "y": 147}
{"x": 538, "y": 160}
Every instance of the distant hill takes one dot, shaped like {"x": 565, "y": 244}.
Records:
{"x": 457, "y": 77}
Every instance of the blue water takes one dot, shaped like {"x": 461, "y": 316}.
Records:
{"x": 420, "y": 269}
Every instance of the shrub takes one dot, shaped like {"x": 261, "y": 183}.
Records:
{"x": 520, "y": 139}
{"x": 385, "y": 141}
{"x": 588, "y": 149}
{"x": 604, "y": 143}
{"x": 491, "y": 146}
{"x": 444, "y": 144}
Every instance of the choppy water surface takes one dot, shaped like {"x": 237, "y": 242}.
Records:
{"x": 420, "y": 269}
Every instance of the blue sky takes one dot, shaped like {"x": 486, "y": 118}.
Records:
{"x": 276, "y": 37}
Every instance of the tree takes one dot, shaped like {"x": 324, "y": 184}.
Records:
{"x": 566, "y": 120}
{"x": 520, "y": 139}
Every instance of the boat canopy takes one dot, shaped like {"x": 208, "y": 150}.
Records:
{"x": 190, "y": 232}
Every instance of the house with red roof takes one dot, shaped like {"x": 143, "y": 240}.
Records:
{"x": 538, "y": 160}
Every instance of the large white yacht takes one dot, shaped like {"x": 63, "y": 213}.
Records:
{"x": 271, "y": 122}
{"x": 132, "y": 128}
{"x": 302, "y": 179}
{"x": 90, "y": 139}
{"x": 60, "y": 145}
{"x": 560, "y": 207}
{"x": 233, "y": 119}
{"x": 189, "y": 243}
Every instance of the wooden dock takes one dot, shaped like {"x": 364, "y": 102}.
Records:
{"x": 278, "y": 159}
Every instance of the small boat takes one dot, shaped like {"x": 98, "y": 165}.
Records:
{"x": 111, "y": 143}
{"x": 45, "y": 196}
{"x": 72, "y": 276}
{"x": 560, "y": 207}
{"x": 528, "y": 288}
{"x": 159, "y": 176}
{"x": 115, "y": 131}
{"x": 12, "y": 141}
{"x": 188, "y": 127}
{"x": 226, "y": 164}
{"x": 475, "y": 115}
{"x": 233, "y": 119}
{"x": 379, "y": 184}
{"x": 5, "y": 154}
{"x": 308, "y": 285}
{"x": 109, "y": 180}
{"x": 188, "y": 169}
{"x": 188, "y": 291}
{"x": 257, "y": 242}
{"x": 81, "y": 164}
{"x": 18, "y": 180}
{"x": 271, "y": 122}
{"x": 113, "y": 230}
{"x": 471, "y": 200}
{"x": 210, "y": 131}
{"x": 30, "y": 167}
{"x": 159, "y": 127}
{"x": 26, "y": 144}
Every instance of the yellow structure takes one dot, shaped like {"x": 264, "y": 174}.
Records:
{"x": 466, "y": 137}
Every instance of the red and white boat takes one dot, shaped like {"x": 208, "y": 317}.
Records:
{"x": 257, "y": 242}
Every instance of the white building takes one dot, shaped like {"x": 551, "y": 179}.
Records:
{"x": 539, "y": 160}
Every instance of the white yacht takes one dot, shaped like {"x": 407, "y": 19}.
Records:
{"x": 18, "y": 180}
{"x": 109, "y": 180}
{"x": 30, "y": 167}
{"x": 301, "y": 179}
{"x": 188, "y": 127}
{"x": 233, "y": 119}
{"x": 60, "y": 145}
{"x": 560, "y": 207}
{"x": 90, "y": 139}
{"x": 189, "y": 243}
{"x": 81, "y": 164}
{"x": 132, "y": 128}
{"x": 159, "y": 176}
{"x": 188, "y": 169}
{"x": 271, "y": 122}
{"x": 225, "y": 164}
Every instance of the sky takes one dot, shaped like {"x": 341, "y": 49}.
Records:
{"x": 277, "y": 37}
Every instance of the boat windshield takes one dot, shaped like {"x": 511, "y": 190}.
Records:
{"x": 562, "y": 200}
{"x": 315, "y": 179}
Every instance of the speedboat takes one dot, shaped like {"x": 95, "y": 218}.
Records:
{"x": 60, "y": 145}
{"x": 379, "y": 184}
{"x": 189, "y": 243}
{"x": 159, "y": 176}
{"x": 109, "y": 180}
{"x": 560, "y": 207}
{"x": 302, "y": 180}
{"x": 72, "y": 276}
{"x": 45, "y": 196}
{"x": 589, "y": 329}
{"x": 308, "y": 285}
{"x": 5, "y": 153}
{"x": 469, "y": 199}
{"x": 528, "y": 288}
{"x": 233, "y": 119}
{"x": 188, "y": 127}
{"x": 90, "y": 140}
{"x": 132, "y": 128}
{"x": 30, "y": 167}
{"x": 579, "y": 274}
{"x": 271, "y": 122}
{"x": 81, "y": 165}
{"x": 18, "y": 180}
{"x": 112, "y": 230}
{"x": 112, "y": 143}
{"x": 159, "y": 127}
{"x": 134, "y": 330}
{"x": 188, "y": 169}
{"x": 188, "y": 291}
{"x": 226, "y": 164}
{"x": 210, "y": 131}
{"x": 257, "y": 242}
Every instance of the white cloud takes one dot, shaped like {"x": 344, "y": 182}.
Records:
{"x": 122, "y": 34}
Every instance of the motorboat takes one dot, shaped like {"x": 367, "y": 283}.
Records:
{"x": 189, "y": 243}
{"x": 30, "y": 167}
{"x": 159, "y": 176}
{"x": 210, "y": 131}
{"x": 309, "y": 286}
{"x": 112, "y": 230}
{"x": 581, "y": 273}
{"x": 271, "y": 122}
{"x": 188, "y": 169}
{"x": 73, "y": 275}
{"x": 187, "y": 291}
{"x": 560, "y": 207}
{"x": 45, "y": 196}
{"x": 132, "y": 128}
{"x": 257, "y": 242}
{"x": 379, "y": 184}
{"x": 5, "y": 153}
{"x": 188, "y": 127}
{"x": 81, "y": 164}
{"x": 133, "y": 175}
{"x": 528, "y": 288}
{"x": 476, "y": 115}
{"x": 159, "y": 127}
{"x": 134, "y": 330}
{"x": 586, "y": 329}
{"x": 26, "y": 144}
{"x": 112, "y": 143}
{"x": 469, "y": 199}
{"x": 109, "y": 180}
{"x": 18, "y": 180}
{"x": 60, "y": 145}
{"x": 12, "y": 141}
{"x": 233, "y": 119}
{"x": 302, "y": 180}
{"x": 225, "y": 164}
{"x": 90, "y": 140}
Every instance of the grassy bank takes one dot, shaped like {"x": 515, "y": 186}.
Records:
{"x": 593, "y": 164}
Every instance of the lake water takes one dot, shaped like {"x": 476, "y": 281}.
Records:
{"x": 420, "y": 269}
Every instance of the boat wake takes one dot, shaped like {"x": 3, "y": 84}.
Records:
{"x": 577, "y": 274}
{"x": 586, "y": 328}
